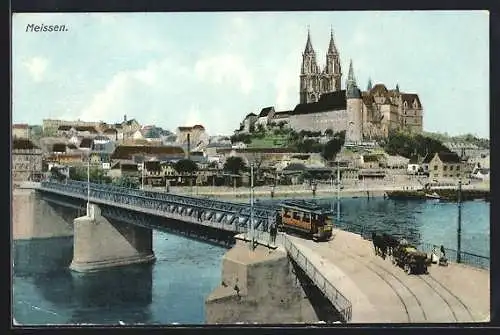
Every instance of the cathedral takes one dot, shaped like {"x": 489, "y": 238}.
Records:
{"x": 313, "y": 82}
{"x": 323, "y": 104}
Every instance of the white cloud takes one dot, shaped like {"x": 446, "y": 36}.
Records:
{"x": 225, "y": 68}
{"x": 36, "y": 67}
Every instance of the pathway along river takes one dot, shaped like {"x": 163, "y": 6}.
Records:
{"x": 173, "y": 290}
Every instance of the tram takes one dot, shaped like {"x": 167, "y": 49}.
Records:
{"x": 306, "y": 219}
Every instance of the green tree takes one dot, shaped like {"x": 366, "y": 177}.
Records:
{"x": 234, "y": 165}
{"x": 332, "y": 148}
{"x": 329, "y": 132}
{"x": 185, "y": 166}
{"x": 153, "y": 133}
{"x": 126, "y": 181}
{"x": 96, "y": 175}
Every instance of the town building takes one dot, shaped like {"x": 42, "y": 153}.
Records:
{"x": 26, "y": 160}
{"x": 446, "y": 165}
{"x": 20, "y": 130}
{"x": 198, "y": 138}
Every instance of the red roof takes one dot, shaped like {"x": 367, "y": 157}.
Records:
{"x": 20, "y": 126}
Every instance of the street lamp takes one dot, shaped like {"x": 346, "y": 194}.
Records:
{"x": 338, "y": 190}
{"x": 88, "y": 185}
{"x": 251, "y": 209}
{"x": 459, "y": 229}
{"x": 142, "y": 175}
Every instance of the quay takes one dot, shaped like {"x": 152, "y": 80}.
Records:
{"x": 380, "y": 292}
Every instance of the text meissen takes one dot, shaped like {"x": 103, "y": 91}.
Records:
{"x": 45, "y": 28}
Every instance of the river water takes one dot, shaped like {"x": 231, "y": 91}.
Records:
{"x": 173, "y": 289}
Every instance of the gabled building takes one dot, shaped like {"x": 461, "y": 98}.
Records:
{"x": 265, "y": 116}
{"x": 446, "y": 165}
{"x": 20, "y": 130}
{"x": 26, "y": 160}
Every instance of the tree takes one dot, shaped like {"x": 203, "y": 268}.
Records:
{"x": 153, "y": 133}
{"x": 407, "y": 145}
{"x": 234, "y": 165}
{"x": 332, "y": 148}
{"x": 185, "y": 166}
{"x": 329, "y": 132}
{"x": 96, "y": 175}
{"x": 261, "y": 128}
{"x": 126, "y": 181}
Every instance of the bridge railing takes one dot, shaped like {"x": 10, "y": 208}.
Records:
{"x": 468, "y": 258}
{"x": 341, "y": 303}
{"x": 478, "y": 261}
{"x": 155, "y": 199}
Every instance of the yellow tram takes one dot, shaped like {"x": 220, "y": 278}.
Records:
{"x": 306, "y": 218}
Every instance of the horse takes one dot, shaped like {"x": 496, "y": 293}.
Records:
{"x": 379, "y": 245}
{"x": 391, "y": 243}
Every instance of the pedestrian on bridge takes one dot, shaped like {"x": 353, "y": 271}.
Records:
{"x": 273, "y": 231}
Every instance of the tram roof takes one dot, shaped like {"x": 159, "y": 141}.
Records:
{"x": 305, "y": 205}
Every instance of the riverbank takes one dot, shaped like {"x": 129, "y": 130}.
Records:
{"x": 305, "y": 191}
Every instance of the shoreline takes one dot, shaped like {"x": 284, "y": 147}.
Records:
{"x": 243, "y": 194}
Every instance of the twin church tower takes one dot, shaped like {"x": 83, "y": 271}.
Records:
{"x": 313, "y": 81}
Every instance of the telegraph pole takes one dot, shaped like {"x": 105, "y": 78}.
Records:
{"x": 338, "y": 190}
{"x": 251, "y": 209}
{"x": 459, "y": 229}
{"x": 142, "y": 175}
{"x": 88, "y": 185}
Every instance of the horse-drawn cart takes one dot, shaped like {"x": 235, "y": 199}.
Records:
{"x": 410, "y": 259}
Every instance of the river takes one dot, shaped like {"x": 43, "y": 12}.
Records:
{"x": 173, "y": 289}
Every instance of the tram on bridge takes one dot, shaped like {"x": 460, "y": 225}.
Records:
{"x": 307, "y": 219}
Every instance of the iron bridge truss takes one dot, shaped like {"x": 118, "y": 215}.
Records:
{"x": 218, "y": 214}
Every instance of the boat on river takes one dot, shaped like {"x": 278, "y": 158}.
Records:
{"x": 433, "y": 196}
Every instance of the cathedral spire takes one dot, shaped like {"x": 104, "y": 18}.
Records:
{"x": 309, "y": 48}
{"x": 397, "y": 88}
{"x": 352, "y": 90}
{"x": 369, "y": 86}
{"x": 332, "y": 49}
{"x": 350, "y": 75}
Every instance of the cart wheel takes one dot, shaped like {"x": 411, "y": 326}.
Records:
{"x": 407, "y": 269}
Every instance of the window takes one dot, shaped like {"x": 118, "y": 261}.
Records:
{"x": 445, "y": 167}
{"x": 458, "y": 167}
{"x": 296, "y": 216}
{"x": 435, "y": 167}
{"x": 458, "y": 174}
{"x": 451, "y": 167}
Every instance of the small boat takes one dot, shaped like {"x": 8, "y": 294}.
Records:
{"x": 433, "y": 196}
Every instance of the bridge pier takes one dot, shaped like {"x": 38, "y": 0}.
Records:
{"x": 34, "y": 218}
{"x": 101, "y": 243}
{"x": 258, "y": 286}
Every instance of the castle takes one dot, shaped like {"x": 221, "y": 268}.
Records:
{"x": 364, "y": 115}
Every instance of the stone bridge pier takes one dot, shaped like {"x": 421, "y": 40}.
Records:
{"x": 101, "y": 243}
{"x": 36, "y": 218}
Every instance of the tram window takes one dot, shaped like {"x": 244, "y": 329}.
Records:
{"x": 286, "y": 213}
{"x": 307, "y": 217}
{"x": 296, "y": 215}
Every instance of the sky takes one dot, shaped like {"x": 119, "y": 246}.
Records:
{"x": 181, "y": 69}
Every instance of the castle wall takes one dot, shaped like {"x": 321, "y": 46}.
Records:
{"x": 335, "y": 120}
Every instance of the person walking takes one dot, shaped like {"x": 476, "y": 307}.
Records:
{"x": 273, "y": 233}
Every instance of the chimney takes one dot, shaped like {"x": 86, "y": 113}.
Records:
{"x": 125, "y": 118}
{"x": 188, "y": 145}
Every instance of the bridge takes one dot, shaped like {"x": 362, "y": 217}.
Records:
{"x": 361, "y": 286}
